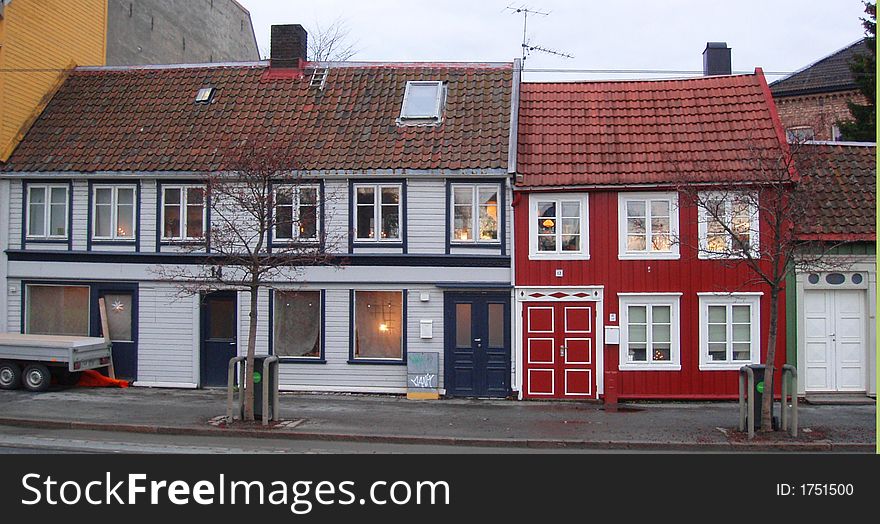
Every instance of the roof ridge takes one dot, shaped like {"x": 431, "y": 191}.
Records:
{"x": 643, "y": 80}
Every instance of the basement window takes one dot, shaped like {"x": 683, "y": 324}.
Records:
{"x": 422, "y": 102}
{"x": 205, "y": 95}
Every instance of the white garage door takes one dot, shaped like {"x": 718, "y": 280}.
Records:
{"x": 835, "y": 340}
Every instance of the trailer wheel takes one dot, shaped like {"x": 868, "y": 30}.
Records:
{"x": 36, "y": 377}
{"x": 10, "y": 375}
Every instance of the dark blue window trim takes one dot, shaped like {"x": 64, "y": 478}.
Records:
{"x": 351, "y": 331}
{"x": 352, "y": 208}
{"x": 136, "y": 241}
{"x": 298, "y": 360}
{"x": 24, "y": 212}
{"x": 322, "y": 236}
{"x": 501, "y": 244}
{"x": 160, "y": 202}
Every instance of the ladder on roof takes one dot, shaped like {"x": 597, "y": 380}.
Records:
{"x": 319, "y": 77}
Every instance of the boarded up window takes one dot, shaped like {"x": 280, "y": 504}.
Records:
{"x": 297, "y": 324}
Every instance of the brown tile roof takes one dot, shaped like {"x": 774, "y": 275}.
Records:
{"x": 831, "y": 73}
{"x": 842, "y": 181}
{"x": 145, "y": 119}
{"x": 645, "y": 132}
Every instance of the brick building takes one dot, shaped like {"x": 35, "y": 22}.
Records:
{"x": 813, "y": 100}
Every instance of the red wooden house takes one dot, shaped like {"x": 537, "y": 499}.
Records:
{"x": 610, "y": 275}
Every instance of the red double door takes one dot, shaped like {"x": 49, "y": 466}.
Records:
{"x": 559, "y": 346}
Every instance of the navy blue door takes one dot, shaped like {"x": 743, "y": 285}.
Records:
{"x": 218, "y": 337}
{"x": 477, "y": 342}
{"x": 121, "y": 302}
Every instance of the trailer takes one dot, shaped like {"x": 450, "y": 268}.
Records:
{"x": 31, "y": 360}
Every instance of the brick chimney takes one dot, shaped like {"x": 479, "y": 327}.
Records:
{"x": 289, "y": 45}
{"x": 716, "y": 59}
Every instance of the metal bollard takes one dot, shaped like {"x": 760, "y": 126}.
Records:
{"x": 745, "y": 418}
{"x": 230, "y": 389}
{"x": 789, "y": 414}
{"x": 268, "y": 362}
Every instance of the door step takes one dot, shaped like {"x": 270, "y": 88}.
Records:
{"x": 849, "y": 399}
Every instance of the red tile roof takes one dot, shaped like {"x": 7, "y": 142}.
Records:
{"x": 645, "y": 132}
{"x": 842, "y": 182}
{"x": 145, "y": 119}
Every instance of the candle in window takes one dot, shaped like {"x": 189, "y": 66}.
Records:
{"x": 383, "y": 327}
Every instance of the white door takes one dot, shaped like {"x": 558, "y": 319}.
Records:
{"x": 834, "y": 340}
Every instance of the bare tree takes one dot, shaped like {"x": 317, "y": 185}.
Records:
{"x": 257, "y": 197}
{"x": 759, "y": 224}
{"x": 332, "y": 42}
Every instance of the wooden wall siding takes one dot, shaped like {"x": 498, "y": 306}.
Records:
{"x": 13, "y": 306}
{"x": 147, "y": 212}
{"x": 47, "y": 35}
{"x": 426, "y": 216}
{"x": 15, "y": 218}
{"x": 79, "y": 227}
{"x": 336, "y": 215}
{"x": 688, "y": 276}
{"x": 168, "y": 338}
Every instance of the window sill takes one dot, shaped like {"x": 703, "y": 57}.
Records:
{"x": 648, "y": 256}
{"x": 649, "y": 367}
{"x": 183, "y": 242}
{"x": 386, "y": 362}
{"x": 377, "y": 243}
{"x": 726, "y": 366}
{"x": 558, "y": 256}
{"x": 495, "y": 244}
{"x": 112, "y": 242}
{"x": 301, "y": 360}
{"x": 30, "y": 240}
{"x": 712, "y": 256}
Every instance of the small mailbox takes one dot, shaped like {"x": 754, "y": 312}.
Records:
{"x": 612, "y": 334}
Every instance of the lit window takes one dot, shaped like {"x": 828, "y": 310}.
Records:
{"x": 113, "y": 212}
{"x": 648, "y": 225}
{"x": 649, "y": 332}
{"x": 183, "y": 212}
{"x": 57, "y": 310}
{"x": 728, "y": 224}
{"x": 729, "y": 330}
{"x": 475, "y": 213}
{"x": 378, "y": 325}
{"x": 422, "y": 101}
{"x": 377, "y": 212}
{"x": 559, "y": 226}
{"x": 47, "y": 212}
{"x": 296, "y": 213}
{"x": 296, "y": 316}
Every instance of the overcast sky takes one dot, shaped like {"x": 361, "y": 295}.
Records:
{"x": 778, "y": 35}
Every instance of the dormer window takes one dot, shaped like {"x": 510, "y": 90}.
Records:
{"x": 422, "y": 102}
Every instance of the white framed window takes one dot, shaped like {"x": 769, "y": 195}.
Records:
{"x": 114, "y": 209}
{"x": 559, "y": 226}
{"x": 648, "y": 226}
{"x": 183, "y": 212}
{"x": 296, "y": 324}
{"x": 730, "y": 330}
{"x": 475, "y": 213}
{"x": 378, "y": 325}
{"x": 728, "y": 224}
{"x": 378, "y": 211}
{"x": 650, "y": 332}
{"x": 798, "y": 134}
{"x": 47, "y": 212}
{"x": 297, "y": 216}
{"x": 423, "y": 100}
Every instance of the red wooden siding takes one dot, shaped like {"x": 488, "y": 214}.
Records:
{"x": 688, "y": 275}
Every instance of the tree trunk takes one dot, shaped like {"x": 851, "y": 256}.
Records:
{"x": 251, "y": 350}
{"x": 767, "y": 404}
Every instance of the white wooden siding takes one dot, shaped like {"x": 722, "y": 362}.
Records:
{"x": 168, "y": 338}
{"x": 147, "y": 212}
{"x": 13, "y": 306}
{"x": 79, "y": 227}
{"x": 426, "y": 216}
{"x": 15, "y": 218}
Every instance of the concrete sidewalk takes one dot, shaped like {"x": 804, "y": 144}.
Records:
{"x": 690, "y": 426}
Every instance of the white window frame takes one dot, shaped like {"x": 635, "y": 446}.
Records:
{"x": 296, "y": 204}
{"x": 403, "y": 320}
{"x": 650, "y": 299}
{"x": 649, "y": 253}
{"x": 703, "y": 224}
{"x": 183, "y": 215}
{"x": 583, "y": 200}
{"x": 114, "y": 210}
{"x": 728, "y": 300}
{"x": 475, "y": 213}
{"x": 47, "y": 212}
{"x": 438, "y": 106}
{"x": 377, "y": 214}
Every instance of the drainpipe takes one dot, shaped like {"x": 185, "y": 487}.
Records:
{"x": 511, "y": 171}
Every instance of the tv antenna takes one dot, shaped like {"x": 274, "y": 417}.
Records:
{"x": 527, "y": 46}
